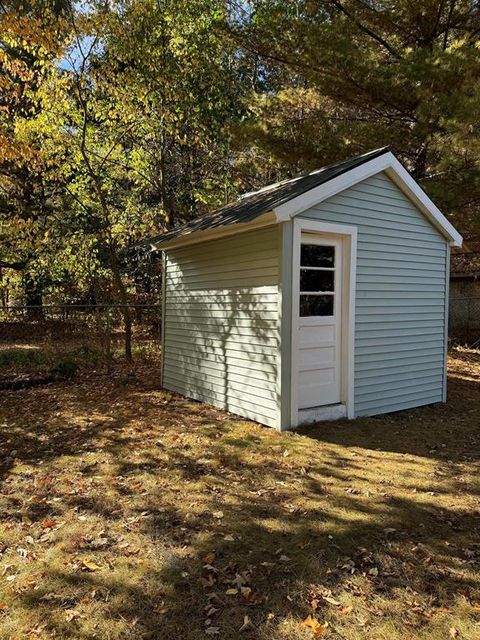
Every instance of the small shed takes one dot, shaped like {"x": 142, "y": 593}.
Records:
{"x": 320, "y": 297}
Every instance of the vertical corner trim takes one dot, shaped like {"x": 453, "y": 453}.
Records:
{"x": 164, "y": 301}
{"x": 285, "y": 301}
{"x": 447, "y": 302}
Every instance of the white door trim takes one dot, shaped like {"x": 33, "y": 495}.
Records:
{"x": 349, "y": 236}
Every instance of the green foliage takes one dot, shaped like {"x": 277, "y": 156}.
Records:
{"x": 61, "y": 366}
{"x": 180, "y": 86}
{"x": 348, "y": 76}
{"x": 86, "y": 355}
{"x": 66, "y": 369}
{"x": 23, "y": 357}
{"x": 121, "y": 119}
{"x": 36, "y": 240}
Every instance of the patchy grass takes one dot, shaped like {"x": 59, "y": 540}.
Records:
{"x": 129, "y": 513}
{"x": 27, "y": 359}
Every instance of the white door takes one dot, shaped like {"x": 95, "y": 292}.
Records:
{"x": 319, "y": 326}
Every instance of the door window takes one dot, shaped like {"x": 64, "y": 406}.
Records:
{"x": 317, "y": 280}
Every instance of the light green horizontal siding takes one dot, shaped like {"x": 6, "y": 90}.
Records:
{"x": 400, "y": 299}
{"x": 221, "y": 334}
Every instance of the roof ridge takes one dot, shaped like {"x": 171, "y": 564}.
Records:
{"x": 268, "y": 187}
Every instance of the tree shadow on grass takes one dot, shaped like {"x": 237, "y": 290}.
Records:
{"x": 443, "y": 431}
{"x": 254, "y": 514}
{"x": 275, "y": 557}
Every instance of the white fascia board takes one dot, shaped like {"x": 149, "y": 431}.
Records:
{"x": 396, "y": 171}
{"x": 400, "y": 176}
{"x": 265, "y": 220}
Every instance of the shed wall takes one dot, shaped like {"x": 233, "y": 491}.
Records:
{"x": 221, "y": 323}
{"x": 400, "y": 296}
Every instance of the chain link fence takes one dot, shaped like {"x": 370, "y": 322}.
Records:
{"x": 55, "y": 341}
{"x": 464, "y": 321}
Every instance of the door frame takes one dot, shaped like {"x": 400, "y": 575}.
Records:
{"x": 348, "y": 235}
{"x": 334, "y": 320}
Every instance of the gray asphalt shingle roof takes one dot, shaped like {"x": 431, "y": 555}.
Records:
{"x": 251, "y": 206}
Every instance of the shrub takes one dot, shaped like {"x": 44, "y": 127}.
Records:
{"x": 65, "y": 369}
{"x": 22, "y": 357}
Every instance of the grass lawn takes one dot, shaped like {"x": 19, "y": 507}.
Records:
{"x": 128, "y": 513}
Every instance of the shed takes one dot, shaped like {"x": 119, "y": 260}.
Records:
{"x": 320, "y": 297}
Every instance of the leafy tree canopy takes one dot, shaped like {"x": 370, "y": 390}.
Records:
{"x": 121, "y": 118}
{"x": 351, "y": 75}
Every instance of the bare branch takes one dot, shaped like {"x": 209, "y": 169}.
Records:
{"x": 116, "y": 143}
{"x": 375, "y": 36}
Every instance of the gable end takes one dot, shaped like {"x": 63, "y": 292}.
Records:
{"x": 388, "y": 164}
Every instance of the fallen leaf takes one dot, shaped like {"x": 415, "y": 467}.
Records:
{"x": 331, "y": 600}
{"x": 231, "y": 592}
{"x": 71, "y": 615}
{"x": 247, "y": 624}
{"x": 346, "y": 610}
{"x": 453, "y": 632}
{"x": 317, "y": 627}
{"x": 209, "y": 558}
{"x": 99, "y": 543}
{"x": 212, "y": 631}
{"x": 90, "y": 565}
{"x": 47, "y": 524}
{"x": 217, "y": 514}
{"x": 50, "y": 596}
{"x": 3, "y": 605}
{"x": 207, "y": 581}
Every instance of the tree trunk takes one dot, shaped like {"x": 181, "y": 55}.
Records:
{"x": 33, "y": 297}
{"x": 122, "y": 294}
{"x": 3, "y": 290}
{"x": 112, "y": 249}
{"x": 127, "y": 321}
{"x": 419, "y": 168}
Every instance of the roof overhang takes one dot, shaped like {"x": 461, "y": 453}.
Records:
{"x": 265, "y": 220}
{"x": 388, "y": 163}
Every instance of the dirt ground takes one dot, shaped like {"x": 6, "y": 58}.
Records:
{"x": 130, "y": 513}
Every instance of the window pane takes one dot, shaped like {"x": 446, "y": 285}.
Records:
{"x": 316, "y": 306}
{"x": 314, "y": 255}
{"x": 311, "y": 280}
